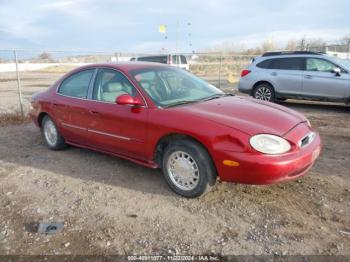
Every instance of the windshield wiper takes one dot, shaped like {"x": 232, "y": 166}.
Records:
{"x": 183, "y": 102}
{"x": 216, "y": 96}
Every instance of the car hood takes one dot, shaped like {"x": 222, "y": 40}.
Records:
{"x": 245, "y": 114}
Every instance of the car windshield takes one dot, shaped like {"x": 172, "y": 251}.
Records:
{"x": 343, "y": 62}
{"x": 169, "y": 87}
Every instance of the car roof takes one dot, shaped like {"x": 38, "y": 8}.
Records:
{"x": 283, "y": 53}
{"x": 290, "y": 55}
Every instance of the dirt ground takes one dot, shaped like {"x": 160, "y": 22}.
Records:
{"x": 112, "y": 206}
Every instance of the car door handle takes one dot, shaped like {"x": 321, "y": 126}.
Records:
{"x": 273, "y": 73}
{"x": 57, "y": 105}
{"x": 93, "y": 112}
{"x": 308, "y": 76}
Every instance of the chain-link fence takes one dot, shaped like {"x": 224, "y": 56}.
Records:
{"x": 340, "y": 51}
{"x": 24, "y": 72}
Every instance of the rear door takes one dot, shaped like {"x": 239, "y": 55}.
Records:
{"x": 286, "y": 74}
{"x": 320, "y": 81}
{"x": 70, "y": 106}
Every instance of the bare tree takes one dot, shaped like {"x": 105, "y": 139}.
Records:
{"x": 292, "y": 45}
{"x": 45, "y": 56}
{"x": 268, "y": 45}
{"x": 346, "y": 39}
{"x": 316, "y": 44}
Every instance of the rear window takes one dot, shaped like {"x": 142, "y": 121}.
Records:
{"x": 183, "y": 59}
{"x": 294, "y": 63}
{"x": 156, "y": 59}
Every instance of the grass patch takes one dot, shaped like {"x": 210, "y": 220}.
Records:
{"x": 12, "y": 118}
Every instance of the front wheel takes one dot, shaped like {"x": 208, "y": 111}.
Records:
{"x": 264, "y": 92}
{"x": 52, "y": 137}
{"x": 188, "y": 168}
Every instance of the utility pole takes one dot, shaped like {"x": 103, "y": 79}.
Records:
{"x": 177, "y": 37}
{"x": 18, "y": 84}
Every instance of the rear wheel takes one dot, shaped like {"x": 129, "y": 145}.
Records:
{"x": 188, "y": 168}
{"x": 51, "y": 135}
{"x": 264, "y": 92}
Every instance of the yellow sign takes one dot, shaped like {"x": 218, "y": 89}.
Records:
{"x": 162, "y": 29}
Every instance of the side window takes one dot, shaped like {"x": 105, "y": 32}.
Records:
{"x": 77, "y": 84}
{"x": 319, "y": 65}
{"x": 265, "y": 64}
{"x": 291, "y": 63}
{"x": 110, "y": 84}
{"x": 155, "y": 59}
{"x": 161, "y": 59}
{"x": 295, "y": 63}
{"x": 183, "y": 59}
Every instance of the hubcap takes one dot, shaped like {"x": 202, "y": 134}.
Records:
{"x": 183, "y": 170}
{"x": 263, "y": 93}
{"x": 50, "y": 132}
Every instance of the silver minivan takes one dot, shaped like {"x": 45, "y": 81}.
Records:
{"x": 298, "y": 75}
{"x": 173, "y": 60}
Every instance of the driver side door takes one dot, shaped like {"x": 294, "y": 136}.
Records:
{"x": 319, "y": 80}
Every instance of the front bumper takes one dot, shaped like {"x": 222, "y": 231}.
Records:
{"x": 259, "y": 169}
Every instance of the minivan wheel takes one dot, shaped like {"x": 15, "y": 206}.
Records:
{"x": 52, "y": 137}
{"x": 188, "y": 168}
{"x": 264, "y": 92}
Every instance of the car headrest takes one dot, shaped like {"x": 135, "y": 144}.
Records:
{"x": 113, "y": 87}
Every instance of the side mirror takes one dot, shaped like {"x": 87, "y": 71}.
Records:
{"x": 336, "y": 71}
{"x": 127, "y": 99}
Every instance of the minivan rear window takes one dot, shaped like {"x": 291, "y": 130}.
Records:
{"x": 293, "y": 63}
{"x": 183, "y": 59}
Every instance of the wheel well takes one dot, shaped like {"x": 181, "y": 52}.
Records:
{"x": 259, "y": 83}
{"x": 167, "y": 139}
{"x": 41, "y": 117}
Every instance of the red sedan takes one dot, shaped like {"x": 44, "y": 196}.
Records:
{"x": 164, "y": 117}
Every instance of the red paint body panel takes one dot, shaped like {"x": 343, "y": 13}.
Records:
{"x": 224, "y": 127}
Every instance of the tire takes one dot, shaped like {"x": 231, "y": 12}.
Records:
{"x": 51, "y": 135}
{"x": 264, "y": 92}
{"x": 186, "y": 157}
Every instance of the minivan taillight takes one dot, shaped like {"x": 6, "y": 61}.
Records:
{"x": 245, "y": 72}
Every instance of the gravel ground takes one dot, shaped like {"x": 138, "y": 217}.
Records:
{"x": 112, "y": 206}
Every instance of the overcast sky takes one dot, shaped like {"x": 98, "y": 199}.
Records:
{"x": 132, "y": 25}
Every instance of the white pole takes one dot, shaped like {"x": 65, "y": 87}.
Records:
{"x": 18, "y": 84}
{"x": 177, "y": 36}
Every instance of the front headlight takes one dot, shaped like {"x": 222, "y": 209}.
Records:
{"x": 269, "y": 144}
